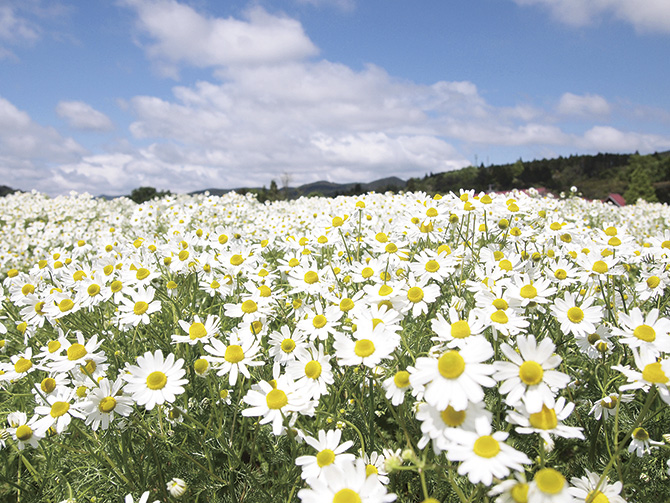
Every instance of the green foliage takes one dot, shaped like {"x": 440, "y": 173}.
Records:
{"x": 642, "y": 170}
{"x": 596, "y": 176}
{"x": 143, "y": 194}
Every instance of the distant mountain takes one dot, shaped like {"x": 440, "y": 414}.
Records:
{"x": 595, "y": 176}
{"x": 320, "y": 188}
{"x": 4, "y": 190}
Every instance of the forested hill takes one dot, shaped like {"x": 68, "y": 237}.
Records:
{"x": 596, "y": 176}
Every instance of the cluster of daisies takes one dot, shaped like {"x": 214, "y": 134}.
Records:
{"x": 465, "y": 311}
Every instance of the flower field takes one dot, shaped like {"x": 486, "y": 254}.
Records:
{"x": 467, "y": 347}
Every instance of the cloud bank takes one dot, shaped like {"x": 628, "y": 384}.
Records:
{"x": 270, "y": 106}
{"x": 643, "y": 15}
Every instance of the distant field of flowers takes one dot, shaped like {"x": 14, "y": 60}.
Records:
{"x": 504, "y": 348}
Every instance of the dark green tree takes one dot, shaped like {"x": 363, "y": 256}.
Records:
{"x": 143, "y": 194}
{"x": 640, "y": 186}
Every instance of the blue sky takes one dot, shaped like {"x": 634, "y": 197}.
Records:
{"x": 105, "y": 96}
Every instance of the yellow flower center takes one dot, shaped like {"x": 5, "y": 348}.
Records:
{"x": 319, "y": 321}
{"x": 24, "y": 432}
{"x": 200, "y": 366}
{"x": 183, "y": 255}
{"x": 528, "y": 292}
{"x": 367, "y": 272}
{"x": 48, "y": 384}
{"x": 432, "y": 266}
{"x": 385, "y": 290}
{"x": 325, "y": 457}
{"x": 53, "y": 346}
{"x": 401, "y": 379}
{"x": 519, "y": 493}
{"x": 346, "y": 496}
{"x": 197, "y": 331}
{"x": 640, "y": 434}
{"x": 39, "y": 308}
{"x": 76, "y": 351}
{"x": 59, "y": 409}
{"x": 451, "y": 365}
{"x": 575, "y": 314}
{"x": 276, "y": 399}
{"x": 645, "y": 333}
{"x": 311, "y": 277}
{"x": 346, "y": 305}
{"x": 234, "y": 353}
{"x": 549, "y": 481}
{"x": 140, "y": 308}
{"x": 249, "y": 306}
{"x": 142, "y": 273}
{"x": 107, "y": 404}
{"x": 545, "y": 419}
{"x": 560, "y": 274}
{"x": 505, "y": 265}
{"x": 499, "y": 317}
{"x": 452, "y": 417}
{"x": 27, "y": 289}
{"x": 460, "y": 329}
{"x": 22, "y": 365}
{"x": 93, "y": 290}
{"x": 391, "y": 248}
{"x": 313, "y": 369}
{"x": 597, "y": 497}
{"x": 116, "y": 286}
{"x": 65, "y": 305}
{"x": 415, "y": 294}
{"x": 371, "y": 470}
{"x": 653, "y": 373}
{"x": 500, "y": 304}
{"x": 156, "y": 380}
{"x": 364, "y": 348}
{"x": 600, "y": 267}
{"x": 486, "y": 447}
{"x": 531, "y": 373}
{"x": 653, "y": 281}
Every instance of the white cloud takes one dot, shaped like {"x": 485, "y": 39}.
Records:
{"x": 257, "y": 118}
{"x": 80, "y": 115}
{"x": 609, "y": 139}
{"x": 644, "y": 15}
{"x": 15, "y": 29}
{"x": 345, "y": 5}
{"x": 28, "y": 149}
{"x": 179, "y": 35}
{"x": 587, "y": 105}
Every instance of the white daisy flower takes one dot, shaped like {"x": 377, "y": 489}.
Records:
{"x": 234, "y": 358}
{"x": 136, "y": 309}
{"x": 549, "y": 486}
{"x": 276, "y": 402}
{"x": 641, "y": 444}
{"x": 58, "y": 411}
{"x": 637, "y": 330}
{"x": 652, "y": 373}
{"x": 576, "y": 319}
{"x": 484, "y": 455}
{"x": 23, "y": 431}
{"x": 103, "y": 402}
{"x": 198, "y": 331}
{"x": 529, "y": 376}
{"x": 350, "y": 483}
{"x": 588, "y": 488}
{"x": 606, "y": 407}
{"x": 313, "y": 373}
{"x": 549, "y": 420}
{"x": 155, "y": 380}
{"x": 456, "y": 377}
{"x": 330, "y": 454}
